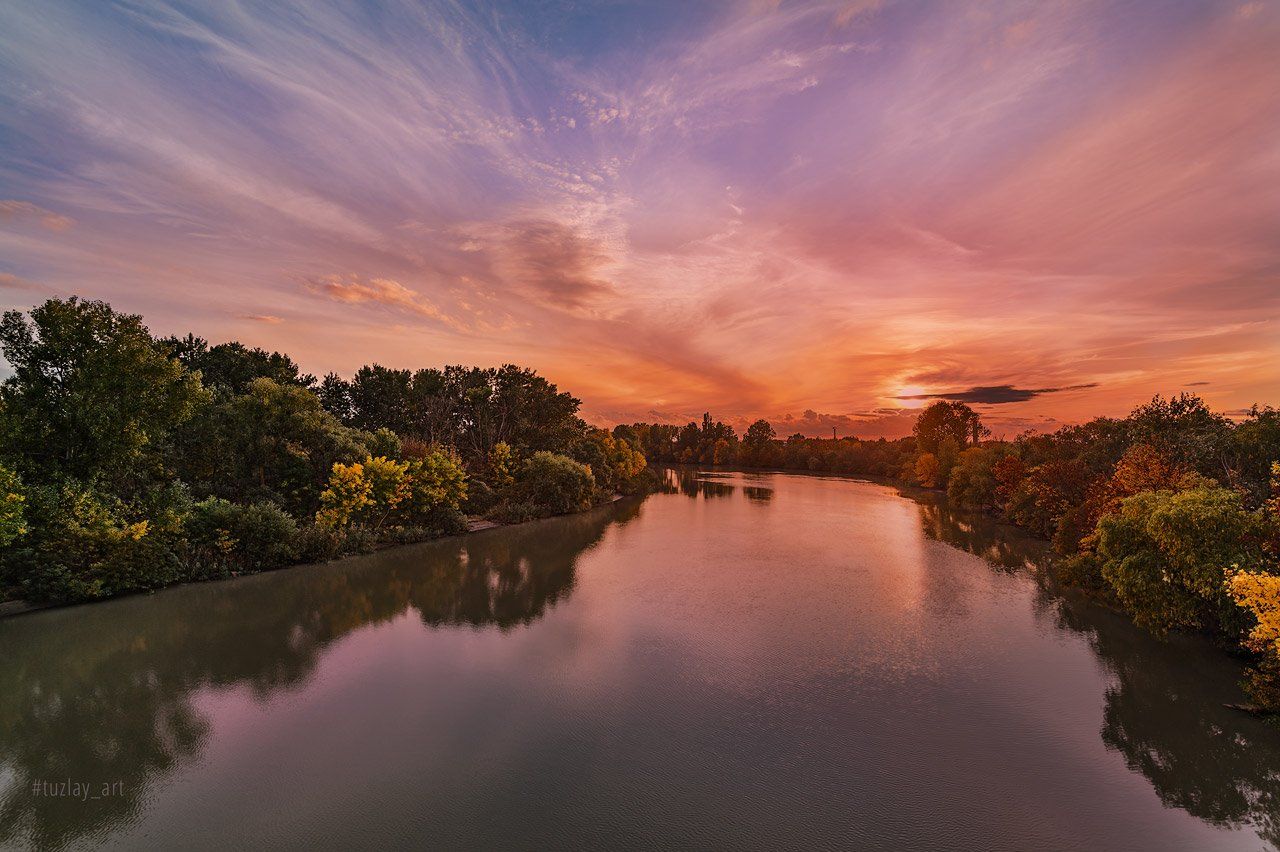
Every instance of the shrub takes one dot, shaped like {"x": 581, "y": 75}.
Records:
{"x": 480, "y": 498}
{"x": 89, "y": 546}
{"x": 517, "y": 513}
{"x": 239, "y": 538}
{"x": 437, "y": 488}
{"x": 1164, "y": 555}
{"x": 555, "y": 483}
{"x": 445, "y": 523}
{"x": 318, "y": 544}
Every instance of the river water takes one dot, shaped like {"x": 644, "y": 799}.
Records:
{"x": 745, "y": 661}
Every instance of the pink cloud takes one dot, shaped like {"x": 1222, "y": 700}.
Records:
{"x": 12, "y": 210}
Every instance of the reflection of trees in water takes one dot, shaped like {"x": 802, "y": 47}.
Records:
{"x": 1164, "y": 711}
{"x": 692, "y": 482}
{"x": 757, "y": 494}
{"x": 102, "y": 694}
{"x": 1001, "y": 545}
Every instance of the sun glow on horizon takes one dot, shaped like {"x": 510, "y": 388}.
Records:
{"x": 902, "y": 397}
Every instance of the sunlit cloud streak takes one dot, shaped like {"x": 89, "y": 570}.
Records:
{"x": 761, "y": 209}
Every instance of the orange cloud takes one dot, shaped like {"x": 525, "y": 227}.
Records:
{"x": 12, "y": 210}
{"x": 355, "y": 290}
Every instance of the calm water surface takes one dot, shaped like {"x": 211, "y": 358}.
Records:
{"x": 750, "y": 660}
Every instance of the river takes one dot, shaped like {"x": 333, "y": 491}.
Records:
{"x": 746, "y": 660}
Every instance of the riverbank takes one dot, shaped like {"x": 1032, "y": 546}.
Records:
{"x": 475, "y": 524}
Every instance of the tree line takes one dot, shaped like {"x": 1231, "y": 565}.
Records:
{"x": 1171, "y": 513}
{"x": 129, "y": 462}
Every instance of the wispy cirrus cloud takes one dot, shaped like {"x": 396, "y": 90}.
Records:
{"x": 847, "y": 206}
{"x": 354, "y": 290}
{"x": 10, "y": 281}
{"x": 12, "y": 210}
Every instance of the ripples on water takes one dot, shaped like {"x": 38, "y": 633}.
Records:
{"x": 744, "y": 660}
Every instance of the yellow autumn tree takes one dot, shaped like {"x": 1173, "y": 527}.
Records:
{"x": 1259, "y": 594}
{"x": 502, "y": 465}
{"x": 379, "y": 491}
{"x": 389, "y": 488}
{"x": 348, "y": 493}
{"x": 436, "y": 481}
{"x": 13, "y": 523}
{"x": 927, "y": 470}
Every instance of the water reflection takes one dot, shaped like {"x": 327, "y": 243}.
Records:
{"x": 1164, "y": 711}
{"x": 692, "y": 482}
{"x": 127, "y": 693}
{"x": 1000, "y": 545}
{"x": 105, "y": 695}
{"x": 1165, "y": 714}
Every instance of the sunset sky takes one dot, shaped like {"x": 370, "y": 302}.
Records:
{"x": 821, "y": 213}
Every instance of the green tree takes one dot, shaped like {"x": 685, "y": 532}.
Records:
{"x": 233, "y": 365}
{"x": 273, "y": 442}
{"x": 758, "y": 444}
{"x": 943, "y": 420}
{"x": 614, "y": 462}
{"x": 382, "y": 397}
{"x": 92, "y": 397}
{"x": 512, "y": 405}
{"x": 92, "y": 545}
{"x": 972, "y": 482}
{"x": 1255, "y": 445}
{"x": 1165, "y": 553}
{"x": 335, "y": 396}
{"x": 1186, "y": 432}
{"x": 759, "y": 433}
